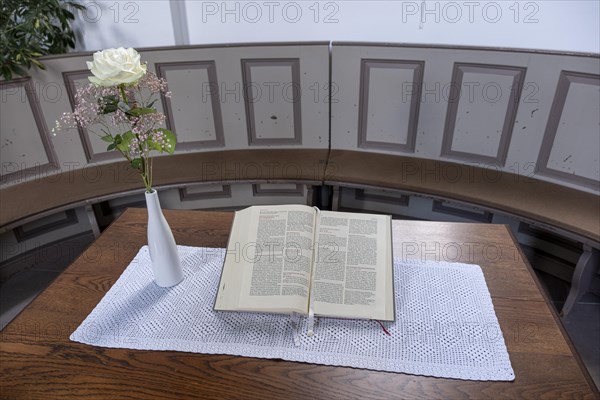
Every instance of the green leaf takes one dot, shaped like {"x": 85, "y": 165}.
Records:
{"x": 125, "y": 141}
{"x": 155, "y": 146}
{"x": 107, "y": 108}
{"x": 18, "y": 70}
{"x": 170, "y": 140}
{"x": 107, "y": 138}
{"x": 136, "y": 112}
{"x": 109, "y": 104}
{"x": 111, "y": 98}
{"x": 32, "y": 29}
{"x": 38, "y": 64}
{"x": 6, "y": 73}
{"x": 111, "y": 146}
{"x": 136, "y": 163}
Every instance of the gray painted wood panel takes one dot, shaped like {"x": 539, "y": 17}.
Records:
{"x": 482, "y": 105}
{"x": 569, "y": 149}
{"x": 26, "y": 149}
{"x": 272, "y": 95}
{"x": 390, "y": 96}
{"x": 194, "y": 114}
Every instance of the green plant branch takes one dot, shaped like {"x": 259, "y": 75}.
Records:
{"x": 32, "y": 28}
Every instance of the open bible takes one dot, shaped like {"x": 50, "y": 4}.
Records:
{"x": 295, "y": 258}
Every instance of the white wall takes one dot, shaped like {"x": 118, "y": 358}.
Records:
{"x": 112, "y": 23}
{"x": 546, "y": 24}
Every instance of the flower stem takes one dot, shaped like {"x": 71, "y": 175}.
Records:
{"x": 122, "y": 88}
{"x": 149, "y": 171}
{"x": 146, "y": 172}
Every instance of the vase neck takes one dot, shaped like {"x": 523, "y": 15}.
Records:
{"x": 153, "y": 203}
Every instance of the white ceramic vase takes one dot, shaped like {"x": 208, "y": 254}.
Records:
{"x": 166, "y": 265}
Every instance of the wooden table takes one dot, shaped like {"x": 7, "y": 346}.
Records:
{"x": 38, "y": 361}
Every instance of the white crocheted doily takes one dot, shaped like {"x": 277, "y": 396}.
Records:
{"x": 445, "y": 322}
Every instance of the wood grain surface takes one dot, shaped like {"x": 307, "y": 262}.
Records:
{"x": 47, "y": 192}
{"x": 38, "y": 361}
{"x": 524, "y": 196}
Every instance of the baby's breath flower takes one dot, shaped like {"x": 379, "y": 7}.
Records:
{"x": 123, "y": 110}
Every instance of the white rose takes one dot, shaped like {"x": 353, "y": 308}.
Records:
{"x": 112, "y": 67}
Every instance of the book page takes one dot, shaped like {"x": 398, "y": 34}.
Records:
{"x": 353, "y": 266}
{"x": 274, "y": 248}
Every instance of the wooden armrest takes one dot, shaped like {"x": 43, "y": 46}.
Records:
{"x": 72, "y": 187}
{"x": 552, "y": 204}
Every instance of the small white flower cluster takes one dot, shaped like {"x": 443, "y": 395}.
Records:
{"x": 159, "y": 138}
{"x": 146, "y": 123}
{"x": 155, "y": 84}
{"x": 134, "y": 148}
{"x": 91, "y": 102}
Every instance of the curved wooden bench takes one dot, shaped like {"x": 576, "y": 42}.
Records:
{"x": 554, "y": 205}
{"x": 73, "y": 188}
